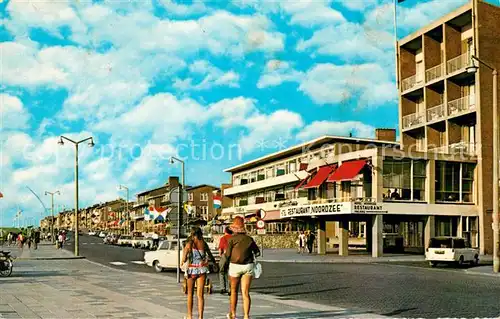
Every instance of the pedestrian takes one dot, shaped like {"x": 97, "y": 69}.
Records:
{"x": 197, "y": 255}
{"x": 310, "y": 241}
{"x": 20, "y": 240}
{"x": 9, "y": 239}
{"x": 301, "y": 242}
{"x": 60, "y": 241}
{"x": 156, "y": 241}
{"x": 241, "y": 253}
{"x": 36, "y": 239}
{"x": 223, "y": 264}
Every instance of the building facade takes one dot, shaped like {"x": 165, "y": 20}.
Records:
{"x": 201, "y": 202}
{"x": 444, "y": 108}
{"x": 360, "y": 192}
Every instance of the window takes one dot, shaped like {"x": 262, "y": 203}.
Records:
{"x": 190, "y": 197}
{"x": 280, "y": 169}
{"x": 253, "y": 177}
{"x": 279, "y": 194}
{"x": 269, "y": 172}
{"x": 260, "y": 175}
{"x": 404, "y": 179}
{"x": 454, "y": 182}
{"x": 290, "y": 193}
{"x": 292, "y": 167}
{"x": 204, "y": 197}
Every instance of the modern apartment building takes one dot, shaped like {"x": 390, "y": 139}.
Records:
{"x": 447, "y": 110}
{"x": 360, "y": 192}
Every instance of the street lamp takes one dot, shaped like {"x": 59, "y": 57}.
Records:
{"x": 52, "y": 235}
{"x": 179, "y": 214}
{"x": 473, "y": 68}
{"x": 76, "y": 143}
{"x": 121, "y": 187}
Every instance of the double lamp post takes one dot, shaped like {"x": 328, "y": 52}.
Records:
{"x": 76, "y": 143}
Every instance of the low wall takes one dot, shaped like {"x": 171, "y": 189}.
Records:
{"x": 271, "y": 240}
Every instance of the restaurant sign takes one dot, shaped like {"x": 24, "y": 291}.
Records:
{"x": 342, "y": 208}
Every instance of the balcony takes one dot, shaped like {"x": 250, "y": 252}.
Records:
{"x": 458, "y": 63}
{"x": 463, "y": 148}
{"x": 434, "y": 73}
{"x": 461, "y": 105}
{"x": 409, "y": 83}
{"x": 413, "y": 120}
{"x": 440, "y": 149}
{"x": 435, "y": 113}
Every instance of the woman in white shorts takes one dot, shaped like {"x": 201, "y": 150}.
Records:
{"x": 241, "y": 253}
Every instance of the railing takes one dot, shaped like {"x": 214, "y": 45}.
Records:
{"x": 440, "y": 149}
{"x": 460, "y": 105}
{"x": 458, "y": 63}
{"x": 409, "y": 83}
{"x": 435, "y": 113}
{"x": 413, "y": 119}
{"x": 463, "y": 148}
{"x": 434, "y": 72}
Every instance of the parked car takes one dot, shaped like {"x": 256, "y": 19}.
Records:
{"x": 451, "y": 250}
{"x": 92, "y": 233}
{"x": 102, "y": 234}
{"x": 124, "y": 241}
{"x": 165, "y": 257}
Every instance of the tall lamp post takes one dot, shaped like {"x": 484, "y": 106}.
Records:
{"x": 52, "y": 235}
{"x": 76, "y": 143}
{"x": 120, "y": 187}
{"x": 496, "y": 218}
{"x": 179, "y": 214}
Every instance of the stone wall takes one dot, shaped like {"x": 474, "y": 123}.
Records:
{"x": 272, "y": 240}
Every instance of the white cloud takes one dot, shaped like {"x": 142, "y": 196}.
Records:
{"x": 211, "y": 77}
{"x": 13, "y": 115}
{"x": 277, "y": 72}
{"x": 305, "y": 13}
{"x": 232, "y": 112}
{"x": 359, "y": 5}
{"x": 151, "y": 162}
{"x": 197, "y": 7}
{"x": 350, "y": 41}
{"x": 364, "y": 84}
{"x": 320, "y": 128}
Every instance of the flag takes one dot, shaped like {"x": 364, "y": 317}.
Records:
{"x": 1, "y": 195}
{"x": 217, "y": 202}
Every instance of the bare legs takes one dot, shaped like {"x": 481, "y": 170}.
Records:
{"x": 200, "y": 285}
{"x": 200, "y": 289}
{"x": 246, "y": 281}
{"x": 235, "y": 282}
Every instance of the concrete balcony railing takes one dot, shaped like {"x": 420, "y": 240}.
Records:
{"x": 409, "y": 83}
{"x": 434, "y": 72}
{"x": 458, "y": 63}
{"x": 413, "y": 120}
{"x": 435, "y": 113}
{"x": 461, "y": 105}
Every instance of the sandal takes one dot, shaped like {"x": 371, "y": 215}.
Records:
{"x": 229, "y": 316}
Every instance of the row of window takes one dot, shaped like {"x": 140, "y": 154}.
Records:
{"x": 287, "y": 167}
{"x": 403, "y": 180}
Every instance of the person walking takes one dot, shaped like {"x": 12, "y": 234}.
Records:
{"x": 197, "y": 255}
{"x": 310, "y": 241}
{"x": 20, "y": 240}
{"x": 241, "y": 253}
{"x": 60, "y": 241}
{"x": 301, "y": 242}
{"x": 36, "y": 238}
{"x": 223, "y": 264}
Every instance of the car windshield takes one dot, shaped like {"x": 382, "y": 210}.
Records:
{"x": 440, "y": 243}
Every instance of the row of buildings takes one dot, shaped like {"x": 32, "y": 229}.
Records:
{"x": 113, "y": 216}
{"x": 377, "y": 193}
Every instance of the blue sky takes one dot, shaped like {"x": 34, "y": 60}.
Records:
{"x": 216, "y": 83}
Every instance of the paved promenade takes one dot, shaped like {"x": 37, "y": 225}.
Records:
{"x": 45, "y": 251}
{"x": 78, "y": 288}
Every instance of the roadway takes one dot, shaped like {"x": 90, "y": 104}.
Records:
{"x": 399, "y": 290}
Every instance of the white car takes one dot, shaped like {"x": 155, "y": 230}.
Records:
{"x": 165, "y": 257}
{"x": 124, "y": 241}
{"x": 451, "y": 250}
{"x": 102, "y": 234}
{"x": 92, "y": 233}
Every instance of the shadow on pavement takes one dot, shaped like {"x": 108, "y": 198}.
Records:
{"x": 303, "y": 274}
{"x": 37, "y": 274}
{"x": 309, "y": 292}
{"x": 257, "y": 288}
{"x": 398, "y": 312}
{"x": 310, "y": 314}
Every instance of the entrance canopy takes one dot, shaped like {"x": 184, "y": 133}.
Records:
{"x": 347, "y": 171}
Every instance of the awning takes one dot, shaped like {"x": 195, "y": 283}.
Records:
{"x": 302, "y": 183}
{"x": 347, "y": 171}
{"x": 272, "y": 215}
{"x": 320, "y": 177}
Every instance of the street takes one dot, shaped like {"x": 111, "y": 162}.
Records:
{"x": 398, "y": 290}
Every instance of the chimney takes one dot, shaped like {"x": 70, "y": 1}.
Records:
{"x": 385, "y": 134}
{"x": 173, "y": 181}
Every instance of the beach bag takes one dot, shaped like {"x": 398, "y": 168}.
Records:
{"x": 257, "y": 270}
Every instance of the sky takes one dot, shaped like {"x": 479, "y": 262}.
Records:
{"x": 215, "y": 83}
